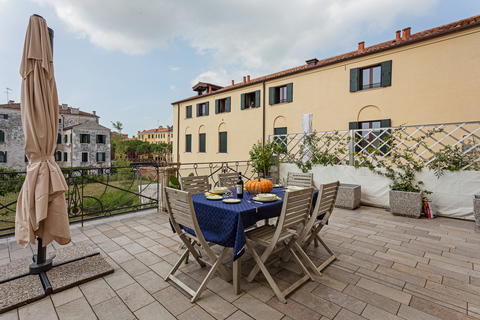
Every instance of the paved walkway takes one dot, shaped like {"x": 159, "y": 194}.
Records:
{"x": 388, "y": 268}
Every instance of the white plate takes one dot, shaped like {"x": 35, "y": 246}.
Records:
{"x": 264, "y": 200}
{"x": 276, "y": 186}
{"x": 218, "y": 191}
{"x": 232, "y": 200}
{"x": 214, "y": 197}
{"x": 293, "y": 188}
{"x": 266, "y": 196}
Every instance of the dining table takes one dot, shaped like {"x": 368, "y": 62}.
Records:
{"x": 224, "y": 223}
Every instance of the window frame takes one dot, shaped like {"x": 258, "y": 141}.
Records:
{"x": 356, "y": 76}
{"x": 104, "y": 139}
{"x": 65, "y": 157}
{"x": 3, "y": 157}
{"x": 3, "y": 115}
{"x": 202, "y": 142}
{"x": 84, "y": 153}
{"x": 103, "y": 156}
{"x": 280, "y": 94}
{"x": 84, "y": 138}
{"x": 202, "y": 109}
{"x": 2, "y": 136}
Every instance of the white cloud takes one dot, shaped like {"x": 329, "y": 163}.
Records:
{"x": 263, "y": 36}
{"x": 172, "y": 87}
{"x": 174, "y": 68}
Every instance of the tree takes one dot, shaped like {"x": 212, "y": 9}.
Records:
{"x": 118, "y": 126}
{"x": 162, "y": 150}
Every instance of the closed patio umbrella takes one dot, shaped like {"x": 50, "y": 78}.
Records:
{"x": 41, "y": 206}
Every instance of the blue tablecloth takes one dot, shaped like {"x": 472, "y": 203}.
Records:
{"x": 225, "y": 223}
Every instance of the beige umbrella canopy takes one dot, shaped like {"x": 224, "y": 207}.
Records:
{"x": 41, "y": 207}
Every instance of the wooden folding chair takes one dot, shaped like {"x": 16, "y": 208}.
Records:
{"x": 300, "y": 179}
{"x": 228, "y": 180}
{"x": 182, "y": 214}
{"x": 291, "y": 223}
{"x": 326, "y": 198}
{"x": 195, "y": 184}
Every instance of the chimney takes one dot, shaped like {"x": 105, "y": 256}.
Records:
{"x": 94, "y": 113}
{"x": 248, "y": 79}
{"x": 398, "y": 35}
{"x": 209, "y": 89}
{"x": 233, "y": 82}
{"x": 11, "y": 101}
{"x": 311, "y": 62}
{"x": 361, "y": 46}
{"x": 74, "y": 110}
{"x": 244, "y": 79}
{"x": 64, "y": 106}
{"x": 406, "y": 33}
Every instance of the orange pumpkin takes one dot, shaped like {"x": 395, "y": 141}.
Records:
{"x": 259, "y": 184}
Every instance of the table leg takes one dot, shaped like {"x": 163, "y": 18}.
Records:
{"x": 237, "y": 275}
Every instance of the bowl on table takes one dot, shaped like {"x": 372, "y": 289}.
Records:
{"x": 266, "y": 196}
{"x": 218, "y": 190}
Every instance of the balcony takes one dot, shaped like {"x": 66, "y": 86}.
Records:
{"x": 388, "y": 267}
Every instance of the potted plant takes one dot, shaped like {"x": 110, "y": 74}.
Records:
{"x": 262, "y": 157}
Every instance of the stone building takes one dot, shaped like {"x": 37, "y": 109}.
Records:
{"x": 81, "y": 140}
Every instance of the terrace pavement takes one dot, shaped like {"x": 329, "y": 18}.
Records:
{"x": 389, "y": 268}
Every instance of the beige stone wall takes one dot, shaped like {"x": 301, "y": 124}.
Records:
{"x": 433, "y": 81}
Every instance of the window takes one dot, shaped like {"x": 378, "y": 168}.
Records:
{"x": 59, "y": 138}
{"x": 58, "y": 156}
{"x": 100, "y": 156}
{"x": 84, "y": 156}
{"x": 250, "y": 100}
{"x": 202, "y": 109}
{"x": 3, "y": 156}
{"x": 188, "y": 143}
{"x": 222, "y": 142}
{"x": 376, "y": 76}
{"x": 202, "y": 138}
{"x": 281, "y": 141}
{"x": 26, "y": 159}
{"x": 2, "y": 137}
{"x": 65, "y": 157}
{"x": 84, "y": 138}
{"x": 189, "y": 112}
{"x": 65, "y": 139}
{"x": 3, "y": 116}
{"x": 101, "y": 138}
{"x": 222, "y": 105}
{"x": 281, "y": 94}
{"x": 367, "y": 139}
{"x": 60, "y": 121}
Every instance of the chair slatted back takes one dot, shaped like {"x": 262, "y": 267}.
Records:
{"x": 228, "y": 180}
{"x": 296, "y": 209}
{"x": 195, "y": 184}
{"x": 326, "y": 199}
{"x": 300, "y": 179}
{"x": 180, "y": 208}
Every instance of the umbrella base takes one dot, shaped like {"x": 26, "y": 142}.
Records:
{"x": 36, "y": 268}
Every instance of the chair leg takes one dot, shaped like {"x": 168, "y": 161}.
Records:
{"x": 256, "y": 268}
{"x": 175, "y": 267}
{"x": 214, "y": 259}
{"x": 309, "y": 262}
{"x": 265, "y": 272}
{"x": 216, "y": 265}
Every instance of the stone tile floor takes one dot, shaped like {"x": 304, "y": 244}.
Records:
{"x": 389, "y": 268}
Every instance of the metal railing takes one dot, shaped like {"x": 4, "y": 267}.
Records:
{"x": 449, "y": 145}
{"x": 92, "y": 192}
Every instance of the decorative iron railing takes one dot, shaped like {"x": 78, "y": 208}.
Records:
{"x": 450, "y": 146}
{"x": 92, "y": 192}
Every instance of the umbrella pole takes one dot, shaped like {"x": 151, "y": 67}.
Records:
{"x": 41, "y": 264}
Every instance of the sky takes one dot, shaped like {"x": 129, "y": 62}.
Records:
{"x": 128, "y": 60}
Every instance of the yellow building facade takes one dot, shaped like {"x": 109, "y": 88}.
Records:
{"x": 157, "y": 136}
{"x": 428, "y": 77}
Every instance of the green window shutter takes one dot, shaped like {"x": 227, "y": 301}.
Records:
{"x": 386, "y": 123}
{"x": 65, "y": 157}
{"x": 188, "y": 143}
{"x": 198, "y": 109}
{"x": 206, "y": 108}
{"x": 189, "y": 111}
{"x": 386, "y": 77}
{"x": 358, "y": 135}
{"x": 2, "y": 137}
{"x": 289, "y": 92}
{"x": 202, "y": 142}
{"x": 222, "y": 142}
{"x": 354, "y": 79}
{"x": 5, "y": 153}
{"x": 271, "y": 95}
{"x": 243, "y": 96}
{"x": 217, "y": 106}
{"x": 229, "y": 102}
{"x": 59, "y": 138}
{"x": 257, "y": 99}
{"x": 6, "y": 116}
{"x": 88, "y": 138}
{"x": 71, "y": 138}
{"x": 97, "y": 139}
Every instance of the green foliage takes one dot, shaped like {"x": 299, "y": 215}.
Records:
{"x": 454, "y": 159}
{"x": 173, "y": 182}
{"x": 117, "y": 125}
{"x": 263, "y": 157}
{"x": 11, "y": 181}
{"x": 109, "y": 200}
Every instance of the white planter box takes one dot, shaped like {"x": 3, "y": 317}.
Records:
{"x": 476, "y": 211}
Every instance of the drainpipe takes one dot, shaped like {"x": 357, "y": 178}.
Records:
{"x": 263, "y": 120}
{"x": 178, "y": 132}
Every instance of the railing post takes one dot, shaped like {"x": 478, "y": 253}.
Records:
{"x": 351, "y": 148}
